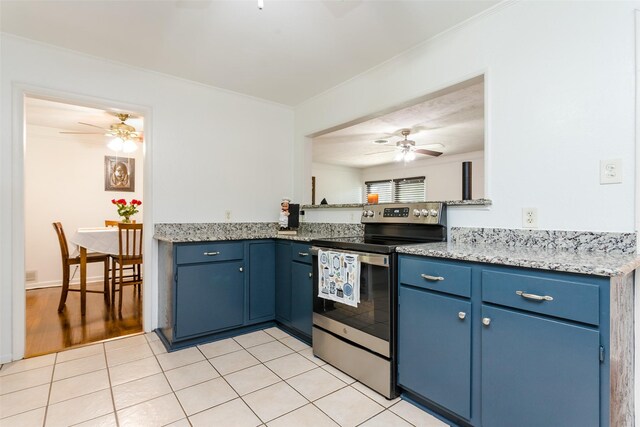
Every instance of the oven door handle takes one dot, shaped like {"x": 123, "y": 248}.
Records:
{"x": 364, "y": 258}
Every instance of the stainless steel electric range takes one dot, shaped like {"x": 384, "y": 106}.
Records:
{"x": 361, "y": 341}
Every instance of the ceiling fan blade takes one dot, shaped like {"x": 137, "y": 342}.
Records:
{"x": 428, "y": 152}
{"x": 83, "y": 133}
{"x": 380, "y": 152}
{"x": 93, "y": 126}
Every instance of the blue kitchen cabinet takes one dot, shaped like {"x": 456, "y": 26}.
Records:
{"x": 301, "y": 297}
{"x": 532, "y": 350}
{"x": 538, "y": 371}
{"x": 209, "y": 297}
{"x": 283, "y": 283}
{"x": 294, "y": 288}
{"x": 212, "y": 290}
{"x": 434, "y": 340}
{"x": 262, "y": 280}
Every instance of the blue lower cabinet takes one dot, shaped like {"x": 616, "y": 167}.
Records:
{"x": 301, "y": 297}
{"x": 283, "y": 282}
{"x": 208, "y": 297}
{"x": 538, "y": 372}
{"x": 261, "y": 281}
{"x": 434, "y": 348}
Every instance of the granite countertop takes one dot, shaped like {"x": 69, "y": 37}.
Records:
{"x": 598, "y": 263}
{"x": 209, "y": 232}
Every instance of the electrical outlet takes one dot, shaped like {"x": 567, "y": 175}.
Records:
{"x": 529, "y": 218}
{"x": 31, "y": 276}
{"x": 227, "y": 215}
{"x": 611, "y": 171}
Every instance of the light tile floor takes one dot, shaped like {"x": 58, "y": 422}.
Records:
{"x": 264, "y": 378}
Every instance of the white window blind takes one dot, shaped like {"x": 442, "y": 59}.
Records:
{"x": 400, "y": 190}
{"x": 384, "y": 190}
{"x": 409, "y": 190}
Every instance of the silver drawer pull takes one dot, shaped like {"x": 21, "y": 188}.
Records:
{"x": 462, "y": 315}
{"x": 534, "y": 296}
{"x": 241, "y": 269}
{"x": 310, "y": 274}
{"x": 211, "y": 253}
{"x": 303, "y": 253}
{"x": 432, "y": 278}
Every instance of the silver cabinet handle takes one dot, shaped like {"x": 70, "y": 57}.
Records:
{"x": 432, "y": 278}
{"x": 310, "y": 274}
{"x": 241, "y": 269}
{"x": 462, "y": 315}
{"x": 486, "y": 321}
{"x": 534, "y": 296}
{"x": 303, "y": 253}
{"x": 211, "y": 253}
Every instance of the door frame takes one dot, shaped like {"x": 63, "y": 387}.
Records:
{"x": 149, "y": 291}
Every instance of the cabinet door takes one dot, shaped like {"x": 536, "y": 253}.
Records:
{"x": 301, "y": 297}
{"x": 209, "y": 297}
{"x": 434, "y": 348}
{"x": 261, "y": 281}
{"x": 538, "y": 372}
{"x": 283, "y": 282}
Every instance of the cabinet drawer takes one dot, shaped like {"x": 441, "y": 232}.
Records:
{"x": 437, "y": 276}
{"x": 208, "y": 252}
{"x": 562, "y": 298}
{"x": 301, "y": 252}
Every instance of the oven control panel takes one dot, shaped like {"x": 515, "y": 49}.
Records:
{"x": 395, "y": 212}
{"x": 405, "y": 213}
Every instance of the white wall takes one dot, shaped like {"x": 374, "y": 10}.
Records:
{"x": 212, "y": 150}
{"x": 64, "y": 181}
{"x": 443, "y": 175}
{"x": 338, "y": 184}
{"x": 559, "y": 97}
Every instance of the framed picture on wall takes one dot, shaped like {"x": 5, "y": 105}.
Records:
{"x": 119, "y": 174}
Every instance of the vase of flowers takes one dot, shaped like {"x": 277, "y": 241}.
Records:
{"x": 126, "y": 211}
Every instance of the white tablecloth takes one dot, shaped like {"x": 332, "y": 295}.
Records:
{"x": 97, "y": 239}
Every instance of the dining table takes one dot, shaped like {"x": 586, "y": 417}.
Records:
{"x": 94, "y": 239}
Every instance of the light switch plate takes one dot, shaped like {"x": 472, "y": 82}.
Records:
{"x": 611, "y": 171}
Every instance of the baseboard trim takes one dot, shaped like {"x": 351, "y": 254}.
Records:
{"x": 57, "y": 283}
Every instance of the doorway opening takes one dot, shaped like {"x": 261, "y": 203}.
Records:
{"x": 77, "y": 160}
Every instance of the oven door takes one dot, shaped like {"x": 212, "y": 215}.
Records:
{"x": 371, "y": 322}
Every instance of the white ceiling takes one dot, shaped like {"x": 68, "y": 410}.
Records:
{"x": 451, "y": 122}
{"x": 288, "y": 52}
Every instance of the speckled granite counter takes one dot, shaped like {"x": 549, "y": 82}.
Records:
{"x": 571, "y": 261}
{"x": 205, "y": 232}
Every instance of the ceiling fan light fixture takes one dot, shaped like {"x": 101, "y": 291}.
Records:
{"x": 116, "y": 144}
{"x": 129, "y": 146}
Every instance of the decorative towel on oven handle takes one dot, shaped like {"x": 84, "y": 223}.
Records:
{"x": 339, "y": 277}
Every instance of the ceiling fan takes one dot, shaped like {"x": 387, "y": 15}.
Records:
{"x": 406, "y": 148}
{"x": 125, "y": 136}
{"x": 117, "y": 130}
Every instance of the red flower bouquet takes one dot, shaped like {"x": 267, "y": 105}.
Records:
{"x": 126, "y": 210}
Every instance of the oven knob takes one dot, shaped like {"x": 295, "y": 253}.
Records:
{"x": 425, "y": 212}
{"x": 370, "y": 213}
{"x": 364, "y": 213}
{"x": 416, "y": 213}
{"x": 433, "y": 212}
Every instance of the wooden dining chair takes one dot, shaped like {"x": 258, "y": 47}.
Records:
{"x": 129, "y": 253}
{"x": 68, "y": 261}
{"x": 131, "y": 270}
{"x": 114, "y": 223}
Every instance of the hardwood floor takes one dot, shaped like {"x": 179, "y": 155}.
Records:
{"x": 49, "y": 331}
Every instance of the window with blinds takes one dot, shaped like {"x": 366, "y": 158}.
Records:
{"x": 400, "y": 190}
{"x": 409, "y": 190}
{"x": 384, "y": 189}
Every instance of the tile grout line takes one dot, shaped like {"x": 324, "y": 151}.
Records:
{"x": 46, "y": 408}
{"x": 170, "y": 387}
{"x": 113, "y": 399}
